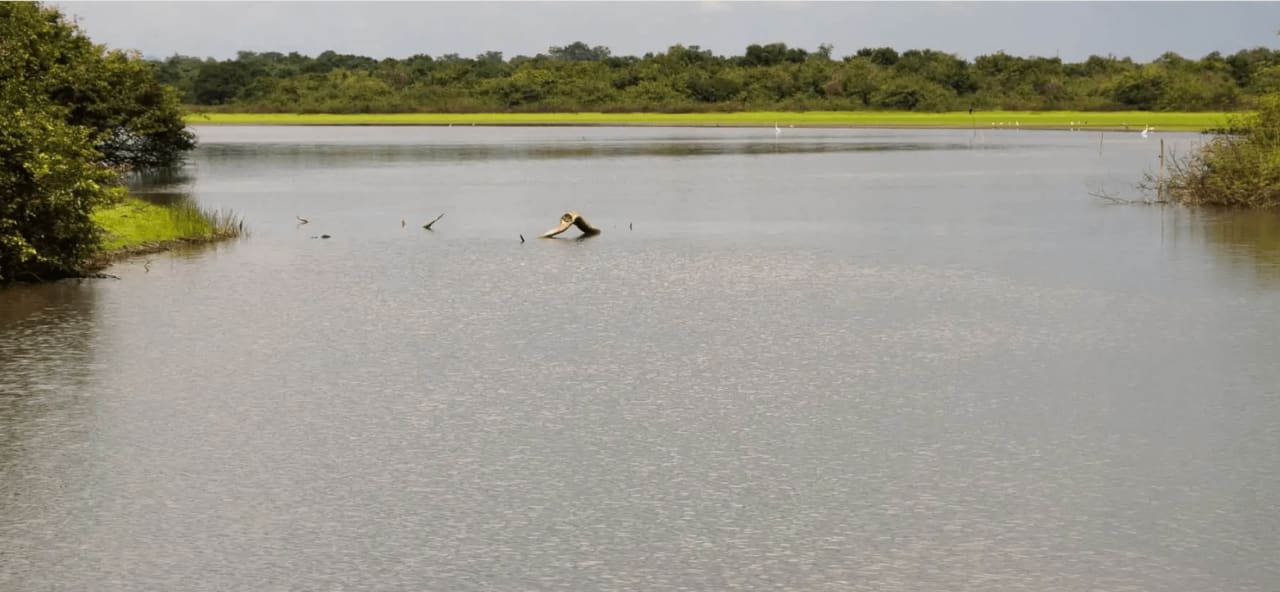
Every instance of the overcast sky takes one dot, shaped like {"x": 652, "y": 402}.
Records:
{"x": 1072, "y": 30}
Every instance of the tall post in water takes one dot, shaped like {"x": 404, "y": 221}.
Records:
{"x": 1160, "y": 179}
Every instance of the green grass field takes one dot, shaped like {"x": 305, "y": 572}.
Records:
{"x": 134, "y": 223}
{"x": 1097, "y": 120}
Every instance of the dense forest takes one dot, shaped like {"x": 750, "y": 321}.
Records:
{"x": 578, "y": 77}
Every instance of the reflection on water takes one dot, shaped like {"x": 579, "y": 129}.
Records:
{"x": 164, "y": 198}
{"x": 1243, "y": 246}
{"x": 159, "y": 179}
{"x": 45, "y": 329}
{"x": 354, "y": 155}
{"x": 1248, "y": 237}
{"x": 46, "y": 361}
{"x": 832, "y": 360}
{"x": 164, "y": 187}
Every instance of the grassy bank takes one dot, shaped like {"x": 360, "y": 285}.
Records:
{"x": 134, "y": 226}
{"x": 1097, "y": 120}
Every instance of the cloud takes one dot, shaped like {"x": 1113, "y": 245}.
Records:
{"x": 401, "y": 29}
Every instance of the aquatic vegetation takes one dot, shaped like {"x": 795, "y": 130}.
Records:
{"x": 133, "y": 224}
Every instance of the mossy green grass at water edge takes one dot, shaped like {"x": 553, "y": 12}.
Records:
{"x": 1095, "y": 120}
{"x": 133, "y": 226}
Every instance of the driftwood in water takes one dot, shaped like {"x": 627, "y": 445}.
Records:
{"x": 1115, "y": 199}
{"x": 428, "y": 224}
{"x": 572, "y": 218}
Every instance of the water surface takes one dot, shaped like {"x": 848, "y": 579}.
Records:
{"x": 826, "y": 360}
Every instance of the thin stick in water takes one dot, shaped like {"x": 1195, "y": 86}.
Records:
{"x": 1160, "y": 179}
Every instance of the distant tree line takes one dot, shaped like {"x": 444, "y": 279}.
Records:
{"x": 579, "y": 77}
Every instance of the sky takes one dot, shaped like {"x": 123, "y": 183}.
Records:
{"x": 1070, "y": 30}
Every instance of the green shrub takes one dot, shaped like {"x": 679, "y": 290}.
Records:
{"x": 72, "y": 116}
{"x": 1232, "y": 170}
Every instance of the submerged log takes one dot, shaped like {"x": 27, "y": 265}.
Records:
{"x": 572, "y": 218}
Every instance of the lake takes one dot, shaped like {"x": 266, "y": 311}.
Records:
{"x": 840, "y": 359}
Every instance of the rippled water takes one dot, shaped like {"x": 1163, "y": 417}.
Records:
{"x": 831, "y": 360}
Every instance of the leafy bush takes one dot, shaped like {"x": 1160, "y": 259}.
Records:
{"x": 72, "y": 117}
{"x": 1234, "y": 169}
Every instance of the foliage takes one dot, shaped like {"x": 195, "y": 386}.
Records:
{"x": 136, "y": 121}
{"x": 49, "y": 184}
{"x": 72, "y": 115}
{"x": 1233, "y": 170}
{"x": 773, "y": 76}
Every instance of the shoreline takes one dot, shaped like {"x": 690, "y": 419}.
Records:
{"x": 1115, "y": 121}
{"x": 1029, "y": 128}
{"x": 97, "y": 263}
{"x": 135, "y": 227}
